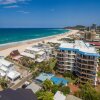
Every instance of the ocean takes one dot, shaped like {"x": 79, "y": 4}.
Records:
{"x": 10, "y": 35}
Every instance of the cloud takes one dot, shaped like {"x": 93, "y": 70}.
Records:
{"x": 13, "y": 6}
{"x": 6, "y": 2}
{"x": 24, "y": 12}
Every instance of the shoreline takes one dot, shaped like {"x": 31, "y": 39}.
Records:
{"x": 12, "y": 44}
{"x": 5, "y": 49}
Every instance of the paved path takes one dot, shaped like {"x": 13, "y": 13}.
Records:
{"x": 21, "y": 82}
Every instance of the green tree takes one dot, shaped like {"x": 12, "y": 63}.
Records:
{"x": 55, "y": 88}
{"x": 41, "y": 95}
{"x": 69, "y": 74}
{"x": 65, "y": 90}
{"x": 98, "y": 73}
{"x": 3, "y": 83}
{"x": 87, "y": 92}
{"x": 47, "y": 85}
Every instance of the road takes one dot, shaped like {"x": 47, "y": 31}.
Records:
{"x": 23, "y": 80}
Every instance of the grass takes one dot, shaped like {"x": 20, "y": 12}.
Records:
{"x": 70, "y": 80}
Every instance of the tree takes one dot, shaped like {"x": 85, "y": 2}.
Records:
{"x": 3, "y": 83}
{"x": 55, "y": 88}
{"x": 98, "y": 73}
{"x": 47, "y": 85}
{"x": 87, "y": 92}
{"x": 41, "y": 95}
{"x": 47, "y": 66}
{"x": 65, "y": 90}
{"x": 69, "y": 74}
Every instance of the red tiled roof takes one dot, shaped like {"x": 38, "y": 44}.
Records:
{"x": 95, "y": 43}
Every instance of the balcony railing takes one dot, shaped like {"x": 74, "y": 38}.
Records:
{"x": 83, "y": 58}
{"x": 86, "y": 64}
{"x": 86, "y": 68}
{"x": 86, "y": 78}
{"x": 91, "y": 73}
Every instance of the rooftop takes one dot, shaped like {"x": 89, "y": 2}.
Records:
{"x": 13, "y": 74}
{"x": 2, "y": 73}
{"x": 57, "y": 80}
{"x": 43, "y": 76}
{"x": 19, "y": 94}
{"x": 59, "y": 96}
{"x": 5, "y": 62}
{"x": 79, "y": 46}
{"x": 34, "y": 87}
{"x": 41, "y": 53}
{"x": 28, "y": 55}
{"x": 95, "y": 43}
{"x": 71, "y": 97}
{"x": 35, "y": 49}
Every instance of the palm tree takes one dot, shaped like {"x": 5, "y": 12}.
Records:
{"x": 47, "y": 85}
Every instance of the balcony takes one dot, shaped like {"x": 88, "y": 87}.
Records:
{"x": 86, "y": 64}
{"x": 86, "y": 73}
{"x": 84, "y": 77}
{"x": 86, "y": 68}
{"x": 86, "y": 58}
{"x": 60, "y": 71}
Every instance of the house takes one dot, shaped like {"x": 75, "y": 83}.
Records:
{"x": 5, "y": 67}
{"x": 13, "y": 75}
{"x": 19, "y": 94}
{"x": 7, "y": 70}
{"x": 6, "y": 63}
{"x": 34, "y": 87}
{"x": 59, "y": 96}
{"x": 15, "y": 55}
{"x": 72, "y": 97}
{"x": 43, "y": 76}
{"x": 38, "y": 52}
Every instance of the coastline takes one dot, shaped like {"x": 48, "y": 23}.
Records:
{"x": 5, "y": 49}
{"x": 12, "y": 44}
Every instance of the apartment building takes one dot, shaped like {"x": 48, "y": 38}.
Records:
{"x": 79, "y": 57}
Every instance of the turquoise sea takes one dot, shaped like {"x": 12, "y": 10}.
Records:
{"x": 9, "y": 35}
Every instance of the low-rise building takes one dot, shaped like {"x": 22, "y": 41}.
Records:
{"x": 7, "y": 70}
{"x": 34, "y": 87}
{"x": 59, "y": 96}
{"x": 38, "y": 52}
{"x": 72, "y": 97}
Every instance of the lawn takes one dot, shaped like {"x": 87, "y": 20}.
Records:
{"x": 70, "y": 80}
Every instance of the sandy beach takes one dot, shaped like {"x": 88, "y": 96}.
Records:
{"x": 21, "y": 46}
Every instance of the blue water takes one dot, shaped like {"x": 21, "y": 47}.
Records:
{"x": 8, "y": 35}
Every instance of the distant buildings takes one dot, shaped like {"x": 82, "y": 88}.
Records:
{"x": 94, "y": 27}
{"x": 89, "y": 35}
{"x": 79, "y": 57}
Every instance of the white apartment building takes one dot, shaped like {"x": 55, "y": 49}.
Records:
{"x": 79, "y": 57}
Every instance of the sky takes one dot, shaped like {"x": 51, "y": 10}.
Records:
{"x": 48, "y": 13}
